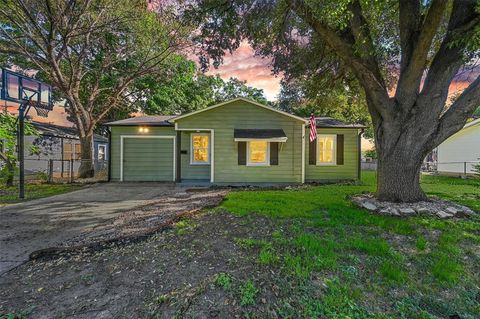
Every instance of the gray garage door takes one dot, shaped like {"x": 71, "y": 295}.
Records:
{"x": 148, "y": 159}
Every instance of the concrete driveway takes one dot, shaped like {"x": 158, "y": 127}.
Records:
{"x": 48, "y": 222}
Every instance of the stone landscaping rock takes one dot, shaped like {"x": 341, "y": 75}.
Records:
{"x": 369, "y": 206}
{"x": 453, "y": 210}
{"x": 443, "y": 215}
{"x": 423, "y": 211}
{"x": 433, "y": 207}
{"x": 407, "y": 211}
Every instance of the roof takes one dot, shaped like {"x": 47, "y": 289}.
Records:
{"x": 62, "y": 131}
{"x": 248, "y": 134}
{"x": 244, "y": 100}
{"x": 328, "y": 122}
{"x": 150, "y": 120}
{"x": 472, "y": 123}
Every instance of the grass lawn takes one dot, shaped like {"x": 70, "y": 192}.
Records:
{"x": 370, "y": 266}
{"x": 300, "y": 253}
{"x": 9, "y": 195}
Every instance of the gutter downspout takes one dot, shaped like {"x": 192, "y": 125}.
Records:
{"x": 359, "y": 146}
{"x": 109, "y": 154}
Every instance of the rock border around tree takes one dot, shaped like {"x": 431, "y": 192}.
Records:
{"x": 434, "y": 207}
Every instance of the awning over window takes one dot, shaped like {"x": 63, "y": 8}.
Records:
{"x": 270, "y": 135}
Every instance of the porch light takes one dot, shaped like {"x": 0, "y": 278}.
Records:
{"x": 143, "y": 129}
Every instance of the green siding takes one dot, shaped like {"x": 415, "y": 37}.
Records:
{"x": 224, "y": 119}
{"x": 148, "y": 159}
{"x": 118, "y": 131}
{"x": 336, "y": 172}
{"x": 189, "y": 171}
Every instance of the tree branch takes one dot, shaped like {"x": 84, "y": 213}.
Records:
{"x": 414, "y": 59}
{"x": 458, "y": 113}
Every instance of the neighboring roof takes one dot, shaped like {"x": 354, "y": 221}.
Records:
{"x": 259, "y": 134}
{"x": 240, "y": 99}
{"x": 328, "y": 122}
{"x": 150, "y": 120}
{"x": 62, "y": 131}
{"x": 472, "y": 123}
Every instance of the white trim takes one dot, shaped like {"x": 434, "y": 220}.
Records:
{"x": 334, "y": 163}
{"x": 472, "y": 123}
{"x": 105, "y": 152}
{"x": 274, "y": 139}
{"x": 267, "y": 156}
{"x": 240, "y": 99}
{"x": 212, "y": 153}
{"x": 303, "y": 153}
{"x": 192, "y": 162}
{"x": 212, "y": 146}
{"x": 122, "y": 137}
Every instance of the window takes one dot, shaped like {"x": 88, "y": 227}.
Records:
{"x": 257, "y": 153}
{"x": 71, "y": 151}
{"x": 326, "y": 154}
{"x": 101, "y": 152}
{"x": 200, "y": 148}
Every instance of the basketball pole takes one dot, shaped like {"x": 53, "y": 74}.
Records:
{"x": 21, "y": 149}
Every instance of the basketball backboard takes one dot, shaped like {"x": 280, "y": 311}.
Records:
{"x": 19, "y": 88}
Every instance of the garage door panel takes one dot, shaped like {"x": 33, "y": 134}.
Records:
{"x": 148, "y": 159}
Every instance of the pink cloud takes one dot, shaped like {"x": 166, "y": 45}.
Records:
{"x": 244, "y": 65}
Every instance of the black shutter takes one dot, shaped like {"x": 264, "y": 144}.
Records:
{"x": 340, "y": 149}
{"x": 273, "y": 153}
{"x": 312, "y": 152}
{"x": 242, "y": 153}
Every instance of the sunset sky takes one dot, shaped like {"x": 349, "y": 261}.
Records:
{"x": 244, "y": 65}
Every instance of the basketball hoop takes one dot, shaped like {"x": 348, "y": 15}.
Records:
{"x": 28, "y": 92}
{"x": 41, "y": 111}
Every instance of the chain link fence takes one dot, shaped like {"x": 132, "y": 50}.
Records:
{"x": 63, "y": 171}
{"x": 462, "y": 169}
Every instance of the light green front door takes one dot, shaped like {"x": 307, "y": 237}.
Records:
{"x": 148, "y": 159}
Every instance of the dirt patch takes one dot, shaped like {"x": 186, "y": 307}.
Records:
{"x": 171, "y": 273}
{"x": 151, "y": 217}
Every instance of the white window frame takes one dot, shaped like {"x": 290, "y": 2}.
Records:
{"x": 267, "y": 158}
{"x": 104, "y": 153}
{"x": 192, "y": 161}
{"x": 334, "y": 163}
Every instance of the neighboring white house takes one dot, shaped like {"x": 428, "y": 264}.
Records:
{"x": 460, "y": 151}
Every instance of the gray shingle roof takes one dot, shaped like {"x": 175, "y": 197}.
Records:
{"x": 150, "y": 120}
{"x": 327, "y": 122}
{"x": 62, "y": 131}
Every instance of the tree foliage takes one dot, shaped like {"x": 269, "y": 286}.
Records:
{"x": 187, "y": 89}
{"x": 92, "y": 52}
{"x": 8, "y": 145}
{"x": 404, "y": 55}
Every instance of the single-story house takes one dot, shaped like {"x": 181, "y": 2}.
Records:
{"x": 238, "y": 142}
{"x": 458, "y": 154}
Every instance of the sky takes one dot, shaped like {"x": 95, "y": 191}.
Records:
{"x": 244, "y": 65}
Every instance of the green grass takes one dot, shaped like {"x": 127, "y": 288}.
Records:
{"x": 248, "y": 293}
{"x": 384, "y": 257}
{"x": 9, "y": 195}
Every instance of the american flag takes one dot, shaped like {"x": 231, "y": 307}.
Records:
{"x": 313, "y": 128}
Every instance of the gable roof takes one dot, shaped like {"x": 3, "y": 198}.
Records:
{"x": 150, "y": 120}
{"x": 244, "y": 100}
{"x": 328, "y": 122}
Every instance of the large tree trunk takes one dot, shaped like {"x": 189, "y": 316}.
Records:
{"x": 398, "y": 175}
{"x": 86, "y": 169}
